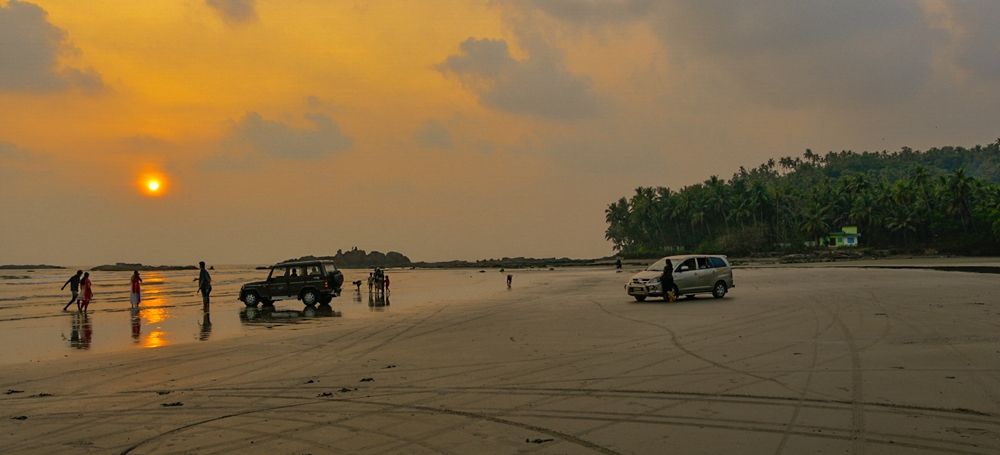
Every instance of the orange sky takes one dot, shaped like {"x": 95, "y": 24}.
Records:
{"x": 442, "y": 130}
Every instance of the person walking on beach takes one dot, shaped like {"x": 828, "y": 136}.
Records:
{"x": 371, "y": 281}
{"x": 510, "y": 278}
{"x": 135, "y": 297}
{"x": 386, "y": 278}
{"x": 74, "y": 287}
{"x": 88, "y": 292}
{"x": 204, "y": 283}
{"x": 667, "y": 282}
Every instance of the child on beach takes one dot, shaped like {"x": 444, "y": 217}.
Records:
{"x": 135, "y": 296}
{"x": 88, "y": 293}
{"x": 386, "y": 283}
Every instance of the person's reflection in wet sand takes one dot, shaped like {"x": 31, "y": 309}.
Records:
{"x": 82, "y": 332}
{"x": 357, "y": 296}
{"x": 136, "y": 324}
{"x": 206, "y": 327}
{"x": 377, "y": 302}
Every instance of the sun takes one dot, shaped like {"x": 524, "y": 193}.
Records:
{"x": 152, "y": 184}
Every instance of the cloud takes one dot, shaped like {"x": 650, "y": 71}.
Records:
{"x": 788, "y": 53}
{"x": 30, "y": 48}
{"x": 256, "y": 134}
{"x": 235, "y": 11}
{"x": 12, "y": 151}
{"x": 434, "y": 134}
{"x": 539, "y": 85}
{"x": 979, "y": 38}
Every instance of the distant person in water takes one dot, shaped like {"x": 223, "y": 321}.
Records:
{"x": 135, "y": 296}
{"x": 74, "y": 287}
{"x": 510, "y": 278}
{"x": 204, "y": 283}
{"x": 88, "y": 292}
{"x": 386, "y": 280}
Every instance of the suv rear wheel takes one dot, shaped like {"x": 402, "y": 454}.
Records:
{"x": 251, "y": 298}
{"x": 719, "y": 291}
{"x": 309, "y": 297}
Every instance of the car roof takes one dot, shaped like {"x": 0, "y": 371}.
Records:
{"x": 317, "y": 261}
{"x": 684, "y": 257}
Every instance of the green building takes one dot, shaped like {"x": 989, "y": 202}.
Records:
{"x": 848, "y": 236}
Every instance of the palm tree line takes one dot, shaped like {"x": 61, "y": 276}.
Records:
{"x": 904, "y": 200}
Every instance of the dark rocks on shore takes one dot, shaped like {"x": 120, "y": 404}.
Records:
{"x": 26, "y": 267}
{"x": 126, "y": 267}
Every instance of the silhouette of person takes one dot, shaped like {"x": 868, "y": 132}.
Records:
{"x": 74, "y": 287}
{"x": 510, "y": 278}
{"x": 667, "y": 282}
{"x": 88, "y": 292}
{"x": 618, "y": 263}
{"x": 135, "y": 296}
{"x": 204, "y": 283}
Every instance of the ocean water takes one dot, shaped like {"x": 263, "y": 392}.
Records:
{"x": 33, "y": 326}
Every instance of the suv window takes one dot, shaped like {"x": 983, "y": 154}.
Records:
{"x": 278, "y": 272}
{"x": 315, "y": 270}
{"x": 297, "y": 272}
{"x": 703, "y": 263}
{"x": 689, "y": 263}
{"x": 718, "y": 262}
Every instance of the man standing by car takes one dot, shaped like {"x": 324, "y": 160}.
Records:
{"x": 667, "y": 282}
{"x": 204, "y": 283}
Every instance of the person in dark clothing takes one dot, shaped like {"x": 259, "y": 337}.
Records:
{"x": 618, "y": 263}
{"x": 667, "y": 282}
{"x": 204, "y": 283}
{"x": 74, "y": 287}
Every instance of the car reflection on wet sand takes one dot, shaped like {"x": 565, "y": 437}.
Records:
{"x": 269, "y": 314}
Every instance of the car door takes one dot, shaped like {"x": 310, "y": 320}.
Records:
{"x": 706, "y": 274}
{"x": 277, "y": 282}
{"x": 686, "y": 276}
{"x": 296, "y": 280}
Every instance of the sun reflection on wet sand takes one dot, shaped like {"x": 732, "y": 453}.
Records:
{"x": 155, "y": 339}
{"x": 154, "y": 315}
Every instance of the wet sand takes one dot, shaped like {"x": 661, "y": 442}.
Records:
{"x": 794, "y": 360}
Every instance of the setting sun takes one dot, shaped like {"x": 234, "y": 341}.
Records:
{"x": 152, "y": 183}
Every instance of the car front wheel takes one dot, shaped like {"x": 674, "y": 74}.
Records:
{"x": 251, "y": 299}
{"x": 639, "y": 298}
{"x": 310, "y": 297}
{"x": 719, "y": 291}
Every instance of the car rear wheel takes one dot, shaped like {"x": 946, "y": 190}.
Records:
{"x": 326, "y": 300}
{"x": 251, "y": 299}
{"x": 310, "y": 297}
{"x": 719, "y": 291}
{"x": 639, "y": 298}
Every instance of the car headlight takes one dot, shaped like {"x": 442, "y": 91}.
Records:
{"x": 653, "y": 281}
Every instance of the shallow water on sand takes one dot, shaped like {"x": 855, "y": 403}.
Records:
{"x": 33, "y": 326}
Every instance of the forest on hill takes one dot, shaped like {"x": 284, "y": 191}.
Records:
{"x": 946, "y": 199}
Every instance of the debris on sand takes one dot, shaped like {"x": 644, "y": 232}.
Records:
{"x": 171, "y": 405}
{"x": 325, "y": 394}
{"x": 19, "y": 418}
{"x": 163, "y": 392}
{"x": 538, "y": 441}
{"x": 388, "y": 366}
{"x": 12, "y": 391}
{"x": 367, "y": 380}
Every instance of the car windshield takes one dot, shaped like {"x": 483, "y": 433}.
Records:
{"x": 657, "y": 266}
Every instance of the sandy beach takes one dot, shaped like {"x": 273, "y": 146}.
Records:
{"x": 794, "y": 360}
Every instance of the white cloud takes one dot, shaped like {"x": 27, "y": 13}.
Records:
{"x": 30, "y": 48}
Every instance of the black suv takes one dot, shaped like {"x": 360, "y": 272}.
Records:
{"x": 311, "y": 282}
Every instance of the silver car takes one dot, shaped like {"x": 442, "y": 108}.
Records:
{"x": 693, "y": 274}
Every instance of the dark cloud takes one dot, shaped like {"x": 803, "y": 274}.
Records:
{"x": 539, "y": 85}
{"x": 12, "y": 151}
{"x": 235, "y": 11}
{"x": 275, "y": 139}
{"x": 434, "y": 134}
{"x": 30, "y": 48}
{"x": 801, "y": 52}
{"x": 979, "y": 42}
